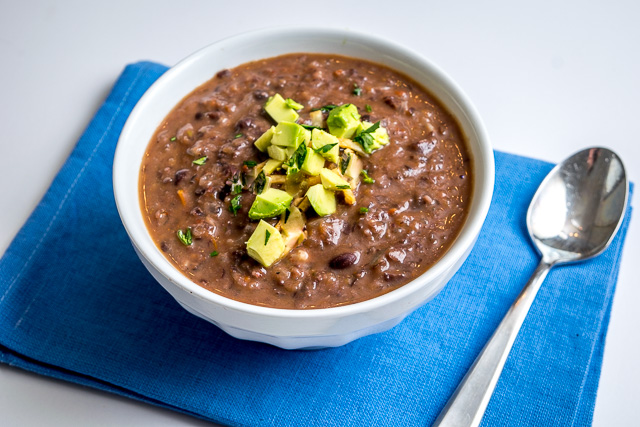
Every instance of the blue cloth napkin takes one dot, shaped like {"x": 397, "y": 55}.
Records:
{"x": 77, "y": 304}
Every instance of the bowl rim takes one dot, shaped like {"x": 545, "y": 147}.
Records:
{"x": 481, "y": 198}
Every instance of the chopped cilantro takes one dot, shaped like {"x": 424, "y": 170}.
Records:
{"x": 325, "y": 108}
{"x": 325, "y": 148}
{"x": 239, "y": 135}
{"x": 364, "y": 210}
{"x": 250, "y": 163}
{"x": 357, "y": 90}
{"x": 234, "y": 205}
{"x": 293, "y": 104}
{"x": 287, "y": 212}
{"x": 368, "y": 108}
{"x": 173, "y": 138}
{"x": 365, "y": 138}
{"x": 201, "y": 161}
{"x": 297, "y": 159}
{"x": 343, "y": 187}
{"x": 344, "y": 162}
{"x": 366, "y": 178}
{"x": 214, "y": 253}
{"x": 309, "y": 127}
{"x": 266, "y": 237}
{"x": 185, "y": 237}
{"x": 259, "y": 183}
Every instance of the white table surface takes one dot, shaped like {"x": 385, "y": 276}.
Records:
{"x": 548, "y": 77}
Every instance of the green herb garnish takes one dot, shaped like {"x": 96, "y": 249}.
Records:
{"x": 297, "y": 159}
{"x": 325, "y": 108}
{"x": 259, "y": 183}
{"x": 368, "y": 108}
{"x": 214, "y": 253}
{"x": 364, "y": 210}
{"x": 201, "y": 161}
{"x": 250, "y": 163}
{"x": 357, "y": 90}
{"x": 325, "y": 148}
{"x": 239, "y": 135}
{"x": 234, "y": 205}
{"x": 343, "y": 187}
{"x": 287, "y": 212}
{"x": 293, "y": 104}
{"x": 344, "y": 162}
{"x": 185, "y": 236}
{"x": 173, "y": 138}
{"x": 309, "y": 127}
{"x": 366, "y": 178}
{"x": 266, "y": 237}
{"x": 365, "y": 138}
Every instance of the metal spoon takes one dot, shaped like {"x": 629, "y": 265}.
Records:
{"x": 573, "y": 216}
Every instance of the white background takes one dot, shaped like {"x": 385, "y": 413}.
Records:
{"x": 548, "y": 77}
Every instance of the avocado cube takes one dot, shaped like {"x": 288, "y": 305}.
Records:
{"x": 265, "y": 250}
{"x": 343, "y": 121}
{"x": 279, "y": 110}
{"x": 320, "y": 139}
{"x": 323, "y": 201}
{"x": 269, "y": 203}
{"x": 333, "y": 181}
{"x": 271, "y": 166}
{"x": 288, "y": 135}
{"x": 380, "y": 135}
{"x": 313, "y": 162}
{"x": 277, "y": 153}
{"x": 265, "y": 139}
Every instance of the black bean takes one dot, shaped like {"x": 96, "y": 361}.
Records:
{"x": 366, "y": 117}
{"x": 343, "y": 260}
{"x": 213, "y": 115}
{"x": 244, "y": 124}
{"x": 391, "y": 102}
{"x": 260, "y": 95}
{"x": 198, "y": 115}
{"x": 223, "y": 73}
{"x": 164, "y": 247}
{"x": 180, "y": 175}
{"x": 200, "y": 191}
{"x": 197, "y": 211}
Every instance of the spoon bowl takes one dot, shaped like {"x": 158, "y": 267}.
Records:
{"x": 574, "y": 215}
{"x": 577, "y": 209}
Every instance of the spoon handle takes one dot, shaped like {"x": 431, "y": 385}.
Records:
{"x": 468, "y": 403}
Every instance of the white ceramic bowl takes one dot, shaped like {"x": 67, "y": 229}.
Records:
{"x": 296, "y": 329}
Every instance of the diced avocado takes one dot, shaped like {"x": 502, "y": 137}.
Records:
{"x": 265, "y": 139}
{"x": 269, "y": 203}
{"x": 380, "y": 137}
{"x": 266, "y": 249}
{"x": 320, "y": 139}
{"x": 271, "y": 166}
{"x": 293, "y": 104}
{"x": 333, "y": 181}
{"x": 323, "y": 201}
{"x": 277, "y": 153}
{"x": 279, "y": 110}
{"x": 292, "y": 227}
{"x": 313, "y": 162}
{"x": 288, "y": 135}
{"x": 343, "y": 121}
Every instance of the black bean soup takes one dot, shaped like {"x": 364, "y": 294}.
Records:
{"x": 398, "y": 218}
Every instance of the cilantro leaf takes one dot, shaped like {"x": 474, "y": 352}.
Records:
{"x": 266, "y": 237}
{"x": 325, "y": 148}
{"x": 364, "y": 210}
{"x": 366, "y": 178}
{"x": 325, "y": 108}
{"x": 357, "y": 90}
{"x": 368, "y": 108}
{"x": 234, "y": 205}
{"x": 309, "y": 127}
{"x": 250, "y": 163}
{"x": 259, "y": 183}
{"x": 214, "y": 253}
{"x": 185, "y": 236}
{"x": 287, "y": 212}
{"x": 201, "y": 161}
